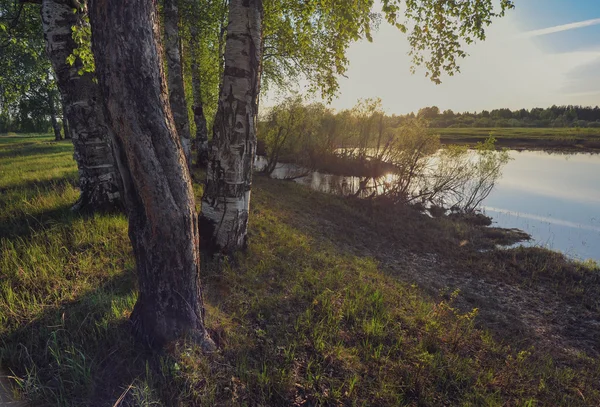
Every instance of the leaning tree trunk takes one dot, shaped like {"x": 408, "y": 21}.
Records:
{"x": 175, "y": 76}
{"x": 226, "y": 201}
{"x": 199, "y": 118}
{"x": 162, "y": 220}
{"x": 98, "y": 177}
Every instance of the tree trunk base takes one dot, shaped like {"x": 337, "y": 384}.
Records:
{"x": 156, "y": 330}
{"x": 105, "y": 201}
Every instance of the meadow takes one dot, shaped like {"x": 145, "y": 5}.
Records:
{"x": 335, "y": 302}
{"x": 525, "y": 137}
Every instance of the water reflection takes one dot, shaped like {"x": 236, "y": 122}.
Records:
{"x": 322, "y": 182}
{"x": 553, "y": 197}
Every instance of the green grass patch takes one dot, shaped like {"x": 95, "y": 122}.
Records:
{"x": 515, "y": 132}
{"x": 525, "y": 137}
{"x": 15, "y": 138}
{"x": 298, "y": 320}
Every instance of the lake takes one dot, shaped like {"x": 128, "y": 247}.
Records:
{"x": 555, "y": 197}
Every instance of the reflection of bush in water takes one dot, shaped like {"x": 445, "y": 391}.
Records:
{"x": 396, "y": 159}
{"x": 462, "y": 178}
{"x": 453, "y": 177}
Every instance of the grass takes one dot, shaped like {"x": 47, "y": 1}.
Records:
{"x": 534, "y": 132}
{"x": 23, "y": 138}
{"x": 559, "y": 138}
{"x": 307, "y": 316}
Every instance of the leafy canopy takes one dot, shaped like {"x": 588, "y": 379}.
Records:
{"x": 310, "y": 38}
{"x": 438, "y": 29}
{"x": 27, "y": 87}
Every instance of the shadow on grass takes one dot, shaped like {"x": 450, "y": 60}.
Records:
{"x": 47, "y": 184}
{"x": 10, "y": 150}
{"x": 81, "y": 352}
{"x": 25, "y": 225}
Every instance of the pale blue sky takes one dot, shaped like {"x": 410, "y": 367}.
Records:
{"x": 543, "y": 52}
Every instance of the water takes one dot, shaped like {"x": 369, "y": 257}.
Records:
{"x": 554, "y": 197}
{"x": 322, "y": 182}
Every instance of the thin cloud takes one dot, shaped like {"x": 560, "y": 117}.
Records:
{"x": 560, "y": 28}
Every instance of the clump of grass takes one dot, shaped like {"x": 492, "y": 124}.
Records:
{"x": 297, "y": 319}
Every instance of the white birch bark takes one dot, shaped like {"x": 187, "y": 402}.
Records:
{"x": 53, "y": 118}
{"x": 173, "y": 52}
{"x": 226, "y": 201}
{"x": 98, "y": 176}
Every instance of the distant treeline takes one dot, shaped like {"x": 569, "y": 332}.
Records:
{"x": 555, "y": 116}
{"x": 30, "y": 115}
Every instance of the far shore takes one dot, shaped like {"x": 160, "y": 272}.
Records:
{"x": 560, "y": 139}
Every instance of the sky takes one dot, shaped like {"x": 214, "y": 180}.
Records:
{"x": 543, "y": 52}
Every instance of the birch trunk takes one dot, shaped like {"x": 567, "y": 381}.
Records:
{"x": 65, "y": 123}
{"x": 175, "y": 76}
{"x": 199, "y": 118}
{"x": 162, "y": 220}
{"x": 55, "y": 127}
{"x": 98, "y": 177}
{"x": 226, "y": 201}
{"x": 53, "y": 119}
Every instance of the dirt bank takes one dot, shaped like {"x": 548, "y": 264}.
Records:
{"x": 442, "y": 255}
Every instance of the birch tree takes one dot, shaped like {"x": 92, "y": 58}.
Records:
{"x": 175, "y": 75}
{"x": 98, "y": 175}
{"x": 203, "y": 27}
{"x": 65, "y": 122}
{"x": 27, "y": 85}
{"x": 198, "y": 106}
{"x": 51, "y": 95}
{"x": 163, "y": 225}
{"x": 439, "y": 30}
{"x": 226, "y": 200}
